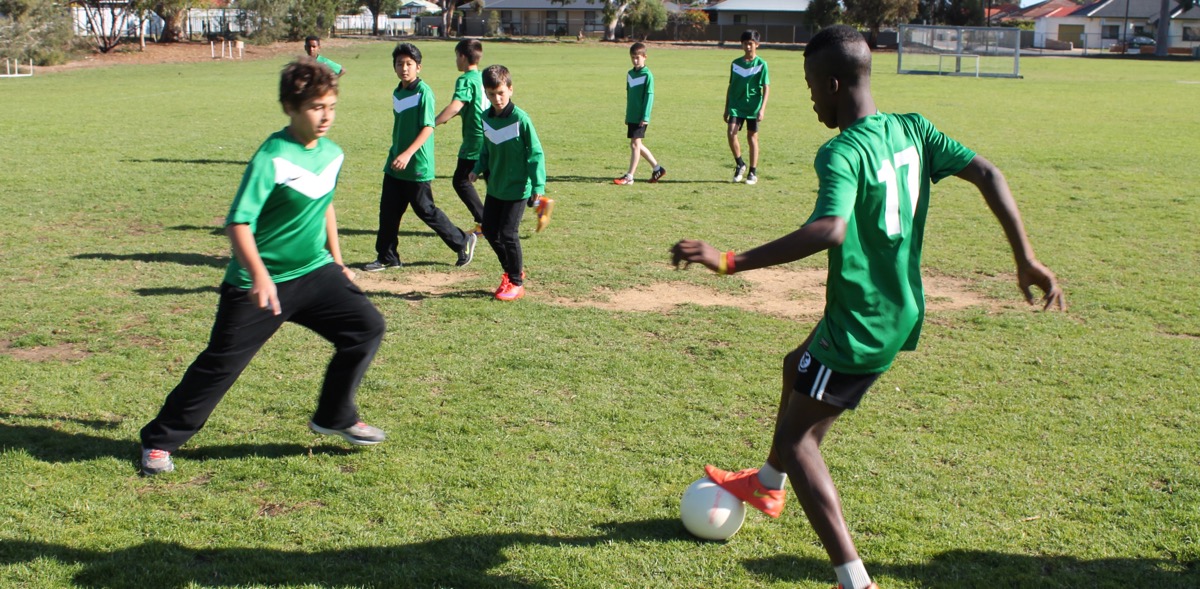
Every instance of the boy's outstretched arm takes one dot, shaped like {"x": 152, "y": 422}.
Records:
{"x": 449, "y": 112}
{"x": 994, "y": 188}
{"x": 810, "y": 239}
{"x": 263, "y": 291}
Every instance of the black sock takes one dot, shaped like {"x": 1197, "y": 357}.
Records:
{"x": 741, "y": 162}
{"x": 751, "y": 169}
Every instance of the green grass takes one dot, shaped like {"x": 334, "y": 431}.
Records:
{"x": 541, "y": 445}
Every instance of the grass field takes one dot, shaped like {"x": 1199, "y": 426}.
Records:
{"x": 545, "y": 443}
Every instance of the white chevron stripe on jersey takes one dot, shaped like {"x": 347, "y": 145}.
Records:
{"x": 499, "y": 136}
{"x": 746, "y": 72}
{"x": 400, "y": 106}
{"x": 635, "y": 81}
{"x": 312, "y": 185}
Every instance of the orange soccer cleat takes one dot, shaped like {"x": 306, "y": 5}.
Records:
{"x": 744, "y": 485}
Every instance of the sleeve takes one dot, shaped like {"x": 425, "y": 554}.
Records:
{"x": 943, "y": 156}
{"x": 428, "y": 108}
{"x": 535, "y": 158}
{"x": 649, "y": 97}
{"x": 462, "y": 91}
{"x": 766, "y": 75}
{"x": 837, "y": 185}
{"x": 481, "y": 164}
{"x": 257, "y": 184}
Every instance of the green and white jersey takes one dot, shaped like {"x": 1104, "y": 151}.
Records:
{"x": 511, "y": 155}
{"x": 469, "y": 90}
{"x": 413, "y": 110}
{"x": 746, "y": 82}
{"x": 283, "y": 197}
{"x": 639, "y": 95}
{"x": 337, "y": 69}
{"x": 876, "y": 175}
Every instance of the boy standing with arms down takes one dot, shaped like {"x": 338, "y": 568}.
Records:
{"x": 287, "y": 266}
{"x": 872, "y": 202}
{"x": 409, "y": 168}
{"x": 515, "y": 166}
{"x": 312, "y": 46}
{"x": 746, "y": 103}
{"x": 469, "y": 104}
{"x": 639, "y": 100}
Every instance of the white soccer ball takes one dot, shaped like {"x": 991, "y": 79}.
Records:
{"x": 710, "y": 512}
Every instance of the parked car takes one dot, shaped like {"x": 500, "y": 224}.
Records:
{"x": 1138, "y": 41}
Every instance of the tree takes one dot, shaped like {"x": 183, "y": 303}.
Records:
{"x": 613, "y": 12}
{"x": 174, "y": 14}
{"x": 688, "y": 24}
{"x": 822, "y": 13}
{"x": 1162, "y": 35}
{"x": 874, "y": 14}
{"x": 963, "y": 13}
{"x": 646, "y": 17}
{"x": 106, "y": 21}
{"x": 37, "y": 30}
{"x": 378, "y": 7}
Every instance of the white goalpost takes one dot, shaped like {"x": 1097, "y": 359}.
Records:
{"x": 981, "y": 52}
{"x": 13, "y": 69}
{"x": 227, "y": 48}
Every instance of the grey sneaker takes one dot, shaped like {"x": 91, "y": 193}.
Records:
{"x": 359, "y": 434}
{"x": 376, "y": 266}
{"x": 156, "y": 461}
{"x": 751, "y": 178}
{"x": 738, "y": 172}
{"x": 468, "y": 251}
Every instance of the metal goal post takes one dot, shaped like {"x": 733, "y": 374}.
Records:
{"x": 982, "y": 52}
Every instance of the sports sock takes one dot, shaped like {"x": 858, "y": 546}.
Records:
{"x": 772, "y": 478}
{"x": 853, "y": 575}
{"x": 740, "y": 161}
{"x": 752, "y": 169}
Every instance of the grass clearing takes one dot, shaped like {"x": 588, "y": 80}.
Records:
{"x": 541, "y": 444}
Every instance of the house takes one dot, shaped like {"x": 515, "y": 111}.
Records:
{"x": 777, "y": 21}
{"x": 537, "y": 18}
{"x": 1104, "y": 23}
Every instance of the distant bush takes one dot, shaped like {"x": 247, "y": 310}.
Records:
{"x": 38, "y": 30}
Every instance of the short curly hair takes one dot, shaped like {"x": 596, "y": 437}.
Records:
{"x": 305, "y": 79}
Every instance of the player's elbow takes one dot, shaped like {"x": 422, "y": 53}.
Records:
{"x": 829, "y": 232}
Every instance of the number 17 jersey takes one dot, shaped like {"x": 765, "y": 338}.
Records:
{"x": 876, "y": 175}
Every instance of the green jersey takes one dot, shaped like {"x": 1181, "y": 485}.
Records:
{"x": 413, "y": 110}
{"x": 747, "y": 81}
{"x": 469, "y": 90}
{"x": 337, "y": 69}
{"x": 876, "y": 175}
{"x": 639, "y": 95}
{"x": 511, "y": 155}
{"x": 283, "y": 198}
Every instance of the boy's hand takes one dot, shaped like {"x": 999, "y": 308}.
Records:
{"x": 472, "y": 177}
{"x": 348, "y": 273}
{"x": 1035, "y": 273}
{"x": 401, "y": 161}
{"x": 694, "y": 251}
{"x": 725, "y": 117}
{"x": 762, "y": 114}
{"x": 643, "y": 124}
{"x": 265, "y": 295}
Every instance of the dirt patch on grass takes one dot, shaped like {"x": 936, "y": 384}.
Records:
{"x": 187, "y": 52}
{"x": 55, "y": 353}
{"x": 772, "y": 291}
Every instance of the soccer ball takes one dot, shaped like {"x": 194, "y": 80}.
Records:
{"x": 710, "y": 512}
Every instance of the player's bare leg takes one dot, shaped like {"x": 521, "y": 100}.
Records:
{"x": 649, "y": 157}
{"x": 635, "y": 155}
{"x": 752, "y": 140}
{"x": 732, "y": 134}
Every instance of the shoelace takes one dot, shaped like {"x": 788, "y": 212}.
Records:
{"x": 158, "y": 454}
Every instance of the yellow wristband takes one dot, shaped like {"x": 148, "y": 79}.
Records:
{"x": 721, "y": 268}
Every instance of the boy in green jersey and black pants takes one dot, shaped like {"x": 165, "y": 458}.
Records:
{"x": 746, "y": 103}
{"x": 639, "y": 100}
{"x": 872, "y": 201}
{"x": 469, "y": 104}
{"x": 409, "y": 168}
{"x": 287, "y": 266}
{"x": 515, "y": 166}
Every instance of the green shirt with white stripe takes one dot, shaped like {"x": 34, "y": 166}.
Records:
{"x": 469, "y": 90}
{"x": 876, "y": 175}
{"x": 333, "y": 65}
{"x": 511, "y": 155}
{"x": 413, "y": 109}
{"x": 639, "y": 95}
{"x": 283, "y": 197}
{"x": 747, "y": 79}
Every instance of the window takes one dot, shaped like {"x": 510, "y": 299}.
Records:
{"x": 1191, "y": 33}
{"x": 739, "y": 19}
{"x": 1110, "y": 31}
{"x": 554, "y": 25}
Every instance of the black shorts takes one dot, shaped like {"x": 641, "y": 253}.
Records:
{"x": 751, "y": 124}
{"x": 835, "y": 388}
{"x": 636, "y": 130}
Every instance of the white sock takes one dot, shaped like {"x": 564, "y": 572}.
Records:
{"x": 772, "y": 478}
{"x": 852, "y": 575}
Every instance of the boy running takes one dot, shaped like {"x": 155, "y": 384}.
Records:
{"x": 746, "y": 103}
{"x": 287, "y": 266}
{"x": 515, "y": 166}
{"x": 468, "y": 103}
{"x": 639, "y": 99}
{"x": 312, "y": 46}
{"x": 409, "y": 168}
{"x": 872, "y": 202}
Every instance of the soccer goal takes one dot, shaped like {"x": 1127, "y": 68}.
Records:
{"x": 15, "y": 69}
{"x": 991, "y": 52}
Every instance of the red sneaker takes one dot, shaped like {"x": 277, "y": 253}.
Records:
{"x": 509, "y": 291}
{"x": 504, "y": 284}
{"x": 744, "y": 485}
{"x": 544, "y": 207}
{"x": 624, "y": 180}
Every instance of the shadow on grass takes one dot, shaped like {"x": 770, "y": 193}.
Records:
{"x": 198, "y": 161}
{"x": 51, "y": 444}
{"x": 976, "y": 568}
{"x": 205, "y": 228}
{"x": 609, "y": 180}
{"x": 182, "y": 258}
{"x": 372, "y": 232}
{"x": 417, "y": 295}
{"x": 176, "y": 291}
{"x": 459, "y": 561}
